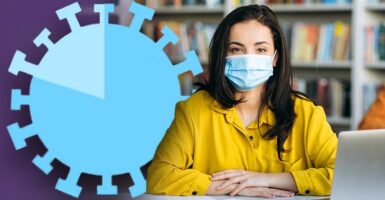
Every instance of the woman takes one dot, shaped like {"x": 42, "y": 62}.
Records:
{"x": 246, "y": 132}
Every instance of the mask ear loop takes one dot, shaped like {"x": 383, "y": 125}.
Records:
{"x": 275, "y": 53}
{"x": 272, "y": 58}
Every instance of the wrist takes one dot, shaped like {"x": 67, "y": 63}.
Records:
{"x": 212, "y": 190}
{"x": 284, "y": 181}
{"x": 263, "y": 180}
{"x": 269, "y": 177}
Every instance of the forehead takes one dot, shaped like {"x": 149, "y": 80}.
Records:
{"x": 249, "y": 32}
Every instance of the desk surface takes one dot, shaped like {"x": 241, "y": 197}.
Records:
{"x": 161, "y": 197}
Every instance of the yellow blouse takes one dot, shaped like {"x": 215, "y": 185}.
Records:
{"x": 204, "y": 139}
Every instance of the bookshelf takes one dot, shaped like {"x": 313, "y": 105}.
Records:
{"x": 365, "y": 13}
{"x": 310, "y": 8}
{"x": 339, "y": 121}
{"x": 189, "y": 10}
{"x": 323, "y": 65}
{"x": 203, "y": 16}
{"x": 376, "y": 65}
{"x": 355, "y": 70}
{"x": 375, "y": 7}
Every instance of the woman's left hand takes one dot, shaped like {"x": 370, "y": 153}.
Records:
{"x": 243, "y": 177}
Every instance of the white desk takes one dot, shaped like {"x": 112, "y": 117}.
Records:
{"x": 160, "y": 197}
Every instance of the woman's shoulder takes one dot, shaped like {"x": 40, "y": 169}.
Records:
{"x": 310, "y": 116}
{"x": 304, "y": 105}
{"x": 198, "y": 101}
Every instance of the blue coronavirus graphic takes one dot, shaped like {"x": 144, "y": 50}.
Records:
{"x": 101, "y": 98}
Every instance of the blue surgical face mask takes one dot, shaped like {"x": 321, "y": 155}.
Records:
{"x": 247, "y": 71}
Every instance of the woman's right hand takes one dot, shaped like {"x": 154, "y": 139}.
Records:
{"x": 248, "y": 191}
{"x": 212, "y": 190}
{"x": 264, "y": 192}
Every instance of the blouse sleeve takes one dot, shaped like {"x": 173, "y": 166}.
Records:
{"x": 170, "y": 171}
{"x": 321, "y": 145}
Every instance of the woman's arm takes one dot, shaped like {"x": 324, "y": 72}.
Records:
{"x": 320, "y": 143}
{"x": 281, "y": 181}
{"x": 170, "y": 171}
{"x": 251, "y": 191}
{"x": 167, "y": 179}
{"x": 321, "y": 147}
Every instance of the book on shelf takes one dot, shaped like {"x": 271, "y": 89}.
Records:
{"x": 319, "y": 43}
{"x": 375, "y": 43}
{"x": 370, "y": 91}
{"x": 179, "y": 3}
{"x": 245, "y": 2}
{"x": 192, "y": 36}
{"x": 332, "y": 94}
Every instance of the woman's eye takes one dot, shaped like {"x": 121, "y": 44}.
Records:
{"x": 261, "y": 50}
{"x": 235, "y": 50}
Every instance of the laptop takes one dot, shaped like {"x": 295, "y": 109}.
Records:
{"x": 359, "y": 171}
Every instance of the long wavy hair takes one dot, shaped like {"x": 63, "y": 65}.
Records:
{"x": 277, "y": 93}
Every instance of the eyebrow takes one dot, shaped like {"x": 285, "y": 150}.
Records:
{"x": 257, "y": 43}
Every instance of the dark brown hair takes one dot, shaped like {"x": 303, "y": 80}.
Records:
{"x": 277, "y": 93}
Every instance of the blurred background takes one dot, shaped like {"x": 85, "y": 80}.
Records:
{"x": 337, "y": 49}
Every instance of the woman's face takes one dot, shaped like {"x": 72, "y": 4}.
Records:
{"x": 251, "y": 37}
